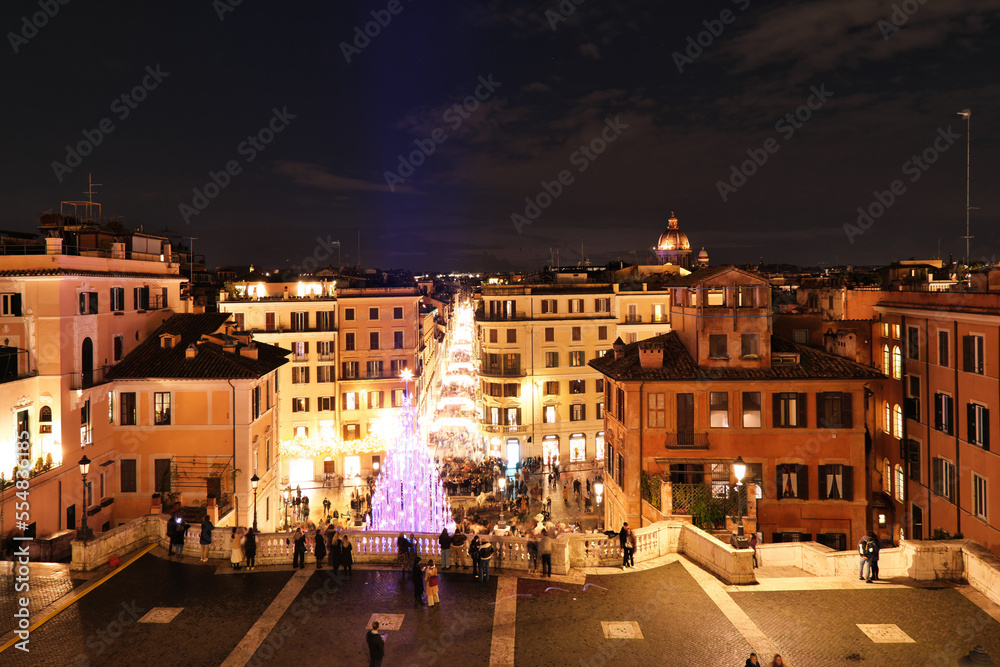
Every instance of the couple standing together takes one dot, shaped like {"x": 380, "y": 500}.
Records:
{"x": 628, "y": 543}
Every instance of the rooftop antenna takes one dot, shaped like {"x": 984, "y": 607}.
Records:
{"x": 191, "y": 259}
{"x": 967, "y": 115}
{"x": 90, "y": 192}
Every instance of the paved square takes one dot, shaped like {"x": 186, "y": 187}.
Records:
{"x": 161, "y": 614}
{"x": 621, "y": 630}
{"x": 885, "y": 633}
{"x": 386, "y": 621}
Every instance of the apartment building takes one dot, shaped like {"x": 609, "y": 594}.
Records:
{"x": 72, "y": 306}
{"x": 684, "y": 405}
{"x": 937, "y": 468}
{"x": 538, "y": 395}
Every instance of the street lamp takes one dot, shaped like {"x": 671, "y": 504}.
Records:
{"x": 739, "y": 471}
{"x": 599, "y": 490}
{"x": 253, "y": 482}
{"x": 285, "y": 495}
{"x": 84, "y": 532}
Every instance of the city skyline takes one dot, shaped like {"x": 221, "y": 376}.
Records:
{"x": 486, "y": 137}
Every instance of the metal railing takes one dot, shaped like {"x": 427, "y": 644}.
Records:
{"x": 633, "y": 319}
{"x": 687, "y": 441}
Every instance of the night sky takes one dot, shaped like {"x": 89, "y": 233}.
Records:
{"x": 664, "y": 98}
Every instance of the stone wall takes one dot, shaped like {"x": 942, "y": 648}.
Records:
{"x": 733, "y": 566}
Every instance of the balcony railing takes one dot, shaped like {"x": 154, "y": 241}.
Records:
{"x": 633, "y": 319}
{"x": 86, "y": 379}
{"x": 501, "y": 428}
{"x": 687, "y": 441}
{"x": 492, "y": 371}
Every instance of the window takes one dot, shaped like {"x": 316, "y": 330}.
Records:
{"x": 715, "y": 296}
{"x": 751, "y": 409}
{"x": 631, "y": 337}
{"x": 119, "y": 347}
{"x": 943, "y": 478}
{"x": 900, "y": 484}
{"x": 550, "y": 335}
{"x": 718, "y": 409}
{"x": 885, "y": 330}
{"x": 620, "y": 469}
{"x": 88, "y": 303}
{"x": 549, "y": 306}
{"x": 349, "y": 314}
{"x": 833, "y": 410}
{"x": 324, "y": 373}
{"x": 300, "y": 321}
{"x": 10, "y": 305}
{"x": 979, "y": 496}
{"x": 255, "y": 403}
{"x": 551, "y": 388}
{"x": 576, "y": 305}
{"x": 943, "y": 413}
{"x": 86, "y": 427}
{"x": 549, "y": 414}
{"x": 161, "y": 408}
{"x": 897, "y": 421}
{"x": 789, "y": 410}
{"x": 373, "y": 314}
{"x": 376, "y": 400}
{"x": 397, "y": 340}
{"x": 576, "y": 358}
{"x": 717, "y": 346}
{"x": 128, "y": 412}
{"x": 656, "y": 414}
{"x": 300, "y": 351}
{"x": 912, "y": 343}
{"x": 886, "y": 360}
{"x": 793, "y": 481}
{"x": 117, "y": 300}
{"x": 396, "y": 367}
{"x": 944, "y": 354}
{"x": 161, "y": 475}
{"x": 602, "y": 333}
{"x": 300, "y": 404}
{"x": 602, "y": 305}
{"x": 577, "y": 412}
{"x": 800, "y": 336}
{"x": 599, "y": 385}
{"x": 373, "y": 340}
{"x": 327, "y": 403}
{"x": 576, "y": 387}
{"x": 910, "y": 452}
{"x": 349, "y": 370}
{"x": 373, "y": 369}
{"x": 896, "y": 329}
{"x": 349, "y": 341}
{"x": 494, "y": 336}
{"x": 749, "y": 346}
{"x": 836, "y": 482}
{"x": 978, "y": 425}
{"x": 897, "y": 363}
{"x": 620, "y": 404}
{"x": 886, "y": 476}
{"x": 886, "y": 417}
{"x": 397, "y": 398}
{"x": 351, "y": 432}
{"x": 127, "y": 483}
{"x": 325, "y": 348}
{"x": 270, "y": 321}
{"x": 551, "y": 359}
{"x": 577, "y": 334}
{"x": 972, "y": 354}
{"x": 239, "y": 319}
{"x": 511, "y": 390}
{"x": 300, "y": 375}
{"x": 511, "y": 335}
{"x": 140, "y": 298}
{"x": 599, "y": 411}
{"x": 325, "y": 320}
{"x": 397, "y": 313}
{"x": 350, "y": 401}
{"x": 913, "y": 398}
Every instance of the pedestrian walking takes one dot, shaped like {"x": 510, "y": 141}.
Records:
{"x": 298, "y": 549}
{"x": 319, "y": 550}
{"x": 576, "y": 486}
{"x": 485, "y": 555}
{"x": 458, "y": 541}
{"x": 863, "y": 552}
{"x": 250, "y": 548}
{"x": 623, "y": 543}
{"x": 376, "y": 646}
{"x": 431, "y": 581}
{"x": 444, "y": 541}
{"x": 347, "y": 559}
{"x": 545, "y": 550}
{"x": 205, "y": 540}
{"x": 565, "y": 493}
{"x": 176, "y": 536}
{"x": 474, "y": 555}
{"x": 418, "y": 581}
{"x": 236, "y": 547}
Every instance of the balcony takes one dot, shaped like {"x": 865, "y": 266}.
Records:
{"x": 633, "y": 319}
{"x": 687, "y": 441}
{"x": 88, "y": 379}
{"x": 501, "y": 428}
{"x": 493, "y": 371}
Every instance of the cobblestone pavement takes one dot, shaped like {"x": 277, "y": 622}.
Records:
{"x": 817, "y": 628}
{"x": 560, "y": 624}
{"x": 47, "y": 583}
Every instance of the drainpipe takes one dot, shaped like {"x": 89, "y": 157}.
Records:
{"x": 955, "y": 418}
{"x": 236, "y": 498}
{"x": 641, "y": 404}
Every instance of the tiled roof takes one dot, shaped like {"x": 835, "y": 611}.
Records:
{"x": 679, "y": 365}
{"x": 150, "y": 360}
{"x": 20, "y": 273}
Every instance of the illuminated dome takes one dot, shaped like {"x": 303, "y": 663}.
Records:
{"x": 673, "y": 247}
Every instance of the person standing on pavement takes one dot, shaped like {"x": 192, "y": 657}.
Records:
{"x": 250, "y": 548}
{"x": 458, "y": 541}
{"x": 336, "y": 554}
{"x": 205, "y": 540}
{"x": 631, "y": 547}
{"x": 474, "y": 555}
{"x": 418, "y": 581}
{"x": 403, "y": 550}
{"x": 444, "y": 541}
{"x": 623, "y": 543}
{"x": 236, "y": 546}
{"x": 180, "y": 528}
{"x": 565, "y": 493}
{"x": 485, "y": 555}
{"x": 545, "y": 550}
{"x": 863, "y": 552}
{"x": 753, "y": 545}
{"x": 376, "y": 646}
{"x": 872, "y": 552}
{"x": 347, "y": 559}
{"x": 431, "y": 580}
{"x": 298, "y": 549}
{"x": 319, "y": 550}
{"x": 532, "y": 548}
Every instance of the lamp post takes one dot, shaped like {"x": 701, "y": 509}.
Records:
{"x": 84, "y": 532}
{"x": 740, "y": 540}
{"x": 285, "y": 495}
{"x": 599, "y": 490}
{"x": 253, "y": 482}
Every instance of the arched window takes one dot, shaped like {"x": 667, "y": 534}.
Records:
{"x": 45, "y": 414}
{"x": 897, "y": 363}
{"x": 900, "y": 483}
{"x": 886, "y": 360}
{"x": 887, "y": 424}
{"x": 897, "y": 422}
{"x": 887, "y": 476}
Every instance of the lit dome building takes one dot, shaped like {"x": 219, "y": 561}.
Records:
{"x": 673, "y": 246}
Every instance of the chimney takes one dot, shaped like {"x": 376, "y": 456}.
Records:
{"x": 191, "y": 352}
{"x": 619, "y": 348}
{"x": 651, "y": 355}
{"x": 118, "y": 251}
{"x": 249, "y": 351}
